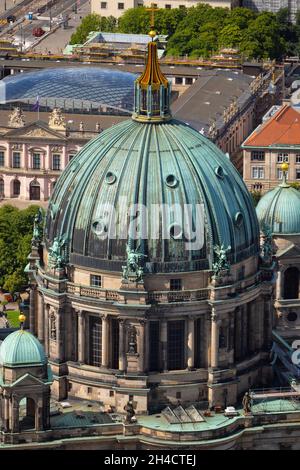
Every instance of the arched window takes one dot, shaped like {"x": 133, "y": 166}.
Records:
{"x": 16, "y": 188}
{"x": 27, "y": 412}
{"x": 2, "y": 188}
{"x": 291, "y": 283}
{"x": 35, "y": 191}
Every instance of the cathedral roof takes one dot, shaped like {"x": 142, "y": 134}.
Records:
{"x": 150, "y": 160}
{"x": 20, "y": 349}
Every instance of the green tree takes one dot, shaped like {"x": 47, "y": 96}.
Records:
{"x": 230, "y": 36}
{"x": 16, "y": 228}
{"x": 90, "y": 23}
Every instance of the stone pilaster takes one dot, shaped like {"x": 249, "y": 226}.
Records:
{"x": 105, "y": 341}
{"x": 214, "y": 344}
{"x": 141, "y": 346}
{"x": 32, "y": 309}
{"x": 41, "y": 322}
{"x": 190, "y": 342}
{"x": 164, "y": 344}
{"x": 122, "y": 356}
{"x": 81, "y": 336}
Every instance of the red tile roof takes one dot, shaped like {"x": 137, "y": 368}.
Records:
{"x": 281, "y": 129}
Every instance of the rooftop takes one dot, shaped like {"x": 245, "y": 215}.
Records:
{"x": 207, "y": 98}
{"x": 282, "y": 128}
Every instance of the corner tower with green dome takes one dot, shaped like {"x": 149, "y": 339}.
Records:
{"x": 153, "y": 306}
{"x": 25, "y": 380}
{"x": 278, "y": 212}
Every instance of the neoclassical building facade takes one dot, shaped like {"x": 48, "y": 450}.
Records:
{"x": 32, "y": 155}
{"x": 184, "y": 315}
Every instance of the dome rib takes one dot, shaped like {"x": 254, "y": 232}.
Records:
{"x": 141, "y": 156}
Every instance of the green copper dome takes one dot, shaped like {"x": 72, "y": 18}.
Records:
{"x": 21, "y": 348}
{"x": 163, "y": 163}
{"x": 146, "y": 163}
{"x": 280, "y": 210}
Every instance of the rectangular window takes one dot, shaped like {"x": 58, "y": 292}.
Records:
{"x": 258, "y": 172}
{"x": 282, "y": 157}
{"x": 95, "y": 341}
{"x": 198, "y": 343}
{"x": 115, "y": 344}
{"x": 188, "y": 81}
{"x": 298, "y": 174}
{"x": 279, "y": 174}
{"x": 120, "y": 6}
{"x": 297, "y": 157}
{"x": 103, "y": 5}
{"x": 175, "y": 284}
{"x": 36, "y": 161}
{"x": 71, "y": 157}
{"x": 154, "y": 346}
{"x": 55, "y": 162}
{"x": 258, "y": 155}
{"x": 175, "y": 345}
{"x": 2, "y": 158}
{"x": 95, "y": 281}
{"x": 16, "y": 160}
{"x": 178, "y": 80}
{"x": 168, "y": 7}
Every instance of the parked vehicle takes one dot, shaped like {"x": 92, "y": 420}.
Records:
{"x": 11, "y": 19}
{"x": 38, "y": 32}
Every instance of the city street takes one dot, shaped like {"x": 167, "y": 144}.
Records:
{"x": 49, "y": 19}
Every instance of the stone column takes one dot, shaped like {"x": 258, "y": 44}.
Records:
{"x": 190, "y": 343}
{"x": 147, "y": 345}
{"x": 32, "y": 309}
{"x": 122, "y": 357}
{"x": 46, "y": 322}
{"x": 60, "y": 334}
{"x": 81, "y": 337}
{"x": 14, "y": 415}
{"x": 141, "y": 346}
{"x": 164, "y": 344}
{"x": 214, "y": 344}
{"x": 41, "y": 330}
{"x": 279, "y": 281}
{"x": 105, "y": 341}
{"x": 6, "y": 413}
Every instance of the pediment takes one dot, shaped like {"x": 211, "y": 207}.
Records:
{"x": 35, "y": 131}
{"x": 291, "y": 251}
{"x": 26, "y": 380}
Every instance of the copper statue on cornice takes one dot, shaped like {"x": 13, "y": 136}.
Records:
{"x": 221, "y": 266}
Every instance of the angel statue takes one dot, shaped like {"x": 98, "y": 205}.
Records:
{"x": 133, "y": 266}
{"x": 37, "y": 229}
{"x": 56, "y": 257}
{"x": 267, "y": 248}
{"x": 221, "y": 265}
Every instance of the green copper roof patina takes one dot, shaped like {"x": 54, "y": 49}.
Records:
{"x": 279, "y": 209}
{"x": 21, "y": 348}
{"x": 150, "y": 160}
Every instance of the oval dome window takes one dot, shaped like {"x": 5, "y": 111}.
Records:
{"x": 238, "y": 219}
{"x": 171, "y": 181}
{"x": 110, "y": 178}
{"x": 219, "y": 172}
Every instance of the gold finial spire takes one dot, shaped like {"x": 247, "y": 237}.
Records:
{"x": 284, "y": 168}
{"x": 152, "y": 9}
{"x": 22, "y": 319}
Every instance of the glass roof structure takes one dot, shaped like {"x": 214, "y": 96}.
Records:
{"x": 72, "y": 88}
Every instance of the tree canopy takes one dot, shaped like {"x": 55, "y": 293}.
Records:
{"x": 16, "y": 228}
{"x": 202, "y": 30}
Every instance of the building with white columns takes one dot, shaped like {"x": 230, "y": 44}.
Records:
{"x": 152, "y": 307}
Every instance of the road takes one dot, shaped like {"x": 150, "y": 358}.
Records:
{"x": 48, "y": 19}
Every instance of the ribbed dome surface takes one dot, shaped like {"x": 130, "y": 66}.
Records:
{"x": 21, "y": 348}
{"x": 165, "y": 163}
{"x": 280, "y": 210}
